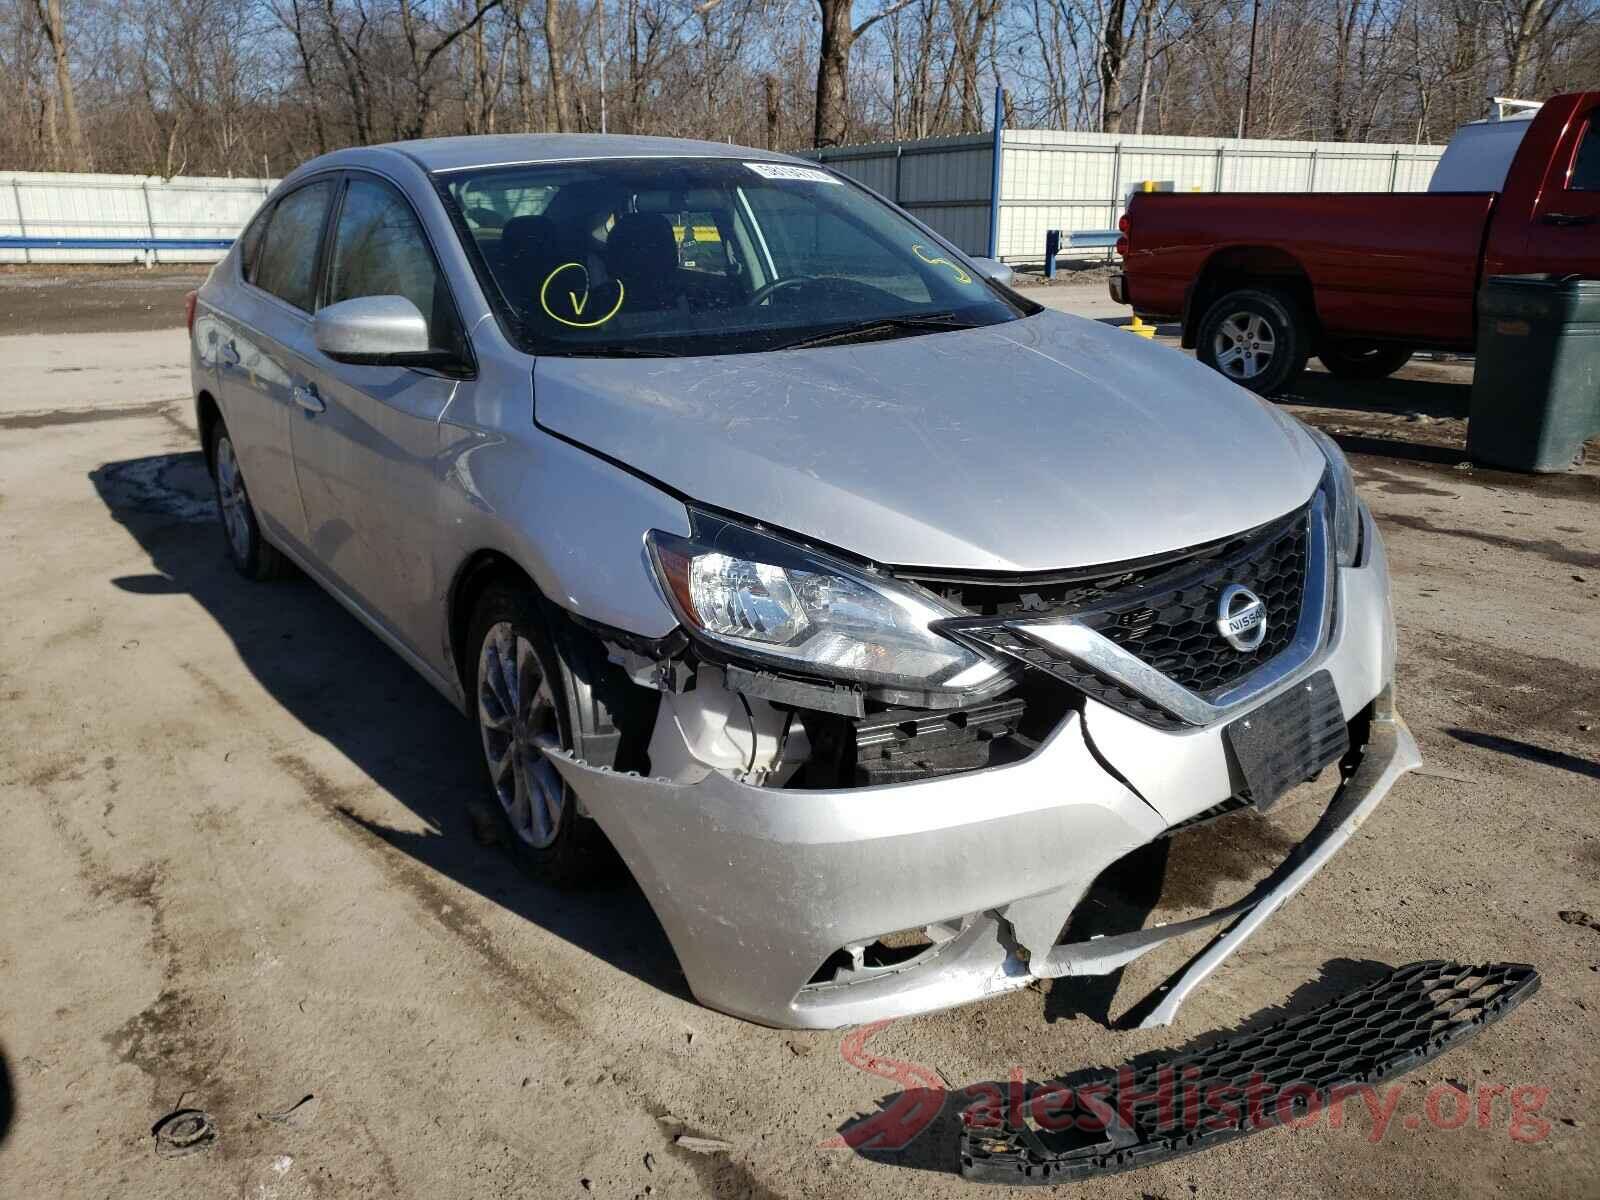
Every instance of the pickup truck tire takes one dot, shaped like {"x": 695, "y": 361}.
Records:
{"x": 1363, "y": 360}
{"x": 1256, "y": 337}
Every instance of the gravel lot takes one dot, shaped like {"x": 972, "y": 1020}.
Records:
{"x": 242, "y": 867}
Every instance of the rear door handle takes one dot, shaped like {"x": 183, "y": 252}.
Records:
{"x": 305, "y": 395}
{"x": 1567, "y": 219}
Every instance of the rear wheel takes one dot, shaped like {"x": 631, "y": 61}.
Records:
{"x": 251, "y": 554}
{"x": 523, "y": 698}
{"x": 1363, "y": 360}
{"x": 1256, "y": 337}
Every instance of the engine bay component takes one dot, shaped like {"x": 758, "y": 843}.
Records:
{"x": 918, "y": 744}
{"x": 713, "y": 728}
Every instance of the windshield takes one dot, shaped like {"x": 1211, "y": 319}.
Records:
{"x": 705, "y": 256}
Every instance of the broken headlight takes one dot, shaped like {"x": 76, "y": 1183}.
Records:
{"x": 765, "y": 598}
{"x": 1344, "y": 506}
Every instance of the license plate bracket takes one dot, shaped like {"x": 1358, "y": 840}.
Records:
{"x": 1289, "y": 739}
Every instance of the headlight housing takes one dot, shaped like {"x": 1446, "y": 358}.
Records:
{"x": 1344, "y": 506}
{"x": 764, "y": 598}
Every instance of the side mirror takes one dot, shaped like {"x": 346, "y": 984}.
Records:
{"x": 995, "y": 271}
{"x": 374, "y": 331}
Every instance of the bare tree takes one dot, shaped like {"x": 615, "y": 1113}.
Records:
{"x": 55, "y": 31}
{"x": 1524, "y": 23}
{"x": 255, "y": 86}
{"x": 558, "y": 96}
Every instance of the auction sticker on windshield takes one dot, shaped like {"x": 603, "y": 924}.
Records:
{"x": 785, "y": 171}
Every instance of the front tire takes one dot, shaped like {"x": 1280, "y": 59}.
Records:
{"x": 522, "y": 695}
{"x": 1363, "y": 360}
{"x": 1256, "y": 337}
{"x": 251, "y": 554}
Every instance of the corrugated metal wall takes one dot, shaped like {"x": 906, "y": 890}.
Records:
{"x": 1056, "y": 180}
{"x": 1050, "y": 180}
{"x": 943, "y": 181}
{"x": 72, "y": 205}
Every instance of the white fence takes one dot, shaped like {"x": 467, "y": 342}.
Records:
{"x": 1055, "y": 180}
{"x": 123, "y": 206}
{"x": 1048, "y": 180}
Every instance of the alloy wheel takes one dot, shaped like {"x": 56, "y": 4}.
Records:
{"x": 517, "y": 716}
{"x": 1243, "y": 345}
{"x": 232, "y": 499}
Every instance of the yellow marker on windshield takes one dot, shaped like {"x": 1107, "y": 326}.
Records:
{"x": 961, "y": 276}
{"x": 578, "y": 304}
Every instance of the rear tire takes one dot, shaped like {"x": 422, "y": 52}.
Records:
{"x": 522, "y": 696}
{"x": 1363, "y": 360}
{"x": 1256, "y": 337}
{"x": 250, "y": 553}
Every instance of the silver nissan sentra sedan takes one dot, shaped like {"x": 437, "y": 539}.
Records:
{"x": 868, "y": 612}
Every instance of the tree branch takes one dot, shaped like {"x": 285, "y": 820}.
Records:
{"x": 876, "y": 17}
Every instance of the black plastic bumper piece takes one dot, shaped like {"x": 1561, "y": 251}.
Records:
{"x": 1293, "y": 1066}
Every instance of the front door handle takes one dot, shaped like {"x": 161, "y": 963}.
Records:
{"x": 305, "y": 395}
{"x": 1567, "y": 219}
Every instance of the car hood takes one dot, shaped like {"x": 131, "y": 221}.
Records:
{"x": 1039, "y": 444}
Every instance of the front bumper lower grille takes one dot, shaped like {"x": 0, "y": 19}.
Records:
{"x": 1175, "y": 1104}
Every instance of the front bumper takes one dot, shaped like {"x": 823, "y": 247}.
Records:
{"x": 756, "y": 887}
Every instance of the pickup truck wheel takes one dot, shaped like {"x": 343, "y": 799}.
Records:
{"x": 523, "y": 705}
{"x": 1255, "y": 337}
{"x": 1363, "y": 360}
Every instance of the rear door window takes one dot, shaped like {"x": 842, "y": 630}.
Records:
{"x": 379, "y": 249}
{"x": 250, "y": 243}
{"x": 287, "y": 265}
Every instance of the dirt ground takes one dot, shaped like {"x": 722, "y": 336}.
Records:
{"x": 90, "y": 299}
{"x": 241, "y": 871}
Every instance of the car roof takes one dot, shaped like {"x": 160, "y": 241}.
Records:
{"x": 496, "y": 149}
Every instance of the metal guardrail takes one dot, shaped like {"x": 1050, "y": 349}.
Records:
{"x": 1081, "y": 239}
{"x": 147, "y": 246}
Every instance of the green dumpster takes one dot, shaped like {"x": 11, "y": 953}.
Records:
{"x": 1536, "y": 389}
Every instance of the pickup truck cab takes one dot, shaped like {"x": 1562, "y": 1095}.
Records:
{"x": 1261, "y": 281}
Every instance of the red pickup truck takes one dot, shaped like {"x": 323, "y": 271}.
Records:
{"x": 1263, "y": 280}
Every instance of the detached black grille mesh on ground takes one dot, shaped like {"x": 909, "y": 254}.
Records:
{"x": 1384, "y": 1029}
{"x": 1175, "y": 630}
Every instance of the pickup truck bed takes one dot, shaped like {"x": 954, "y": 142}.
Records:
{"x": 1263, "y": 280}
{"x": 1376, "y": 261}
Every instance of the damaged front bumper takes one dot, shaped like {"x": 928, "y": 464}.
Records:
{"x": 761, "y": 888}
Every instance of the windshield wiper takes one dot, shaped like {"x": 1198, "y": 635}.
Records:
{"x": 880, "y": 328}
{"x": 618, "y": 351}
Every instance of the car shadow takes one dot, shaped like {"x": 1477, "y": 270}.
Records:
{"x": 343, "y": 684}
{"x": 919, "y": 1128}
{"x": 8, "y": 1102}
{"x": 1528, "y": 752}
{"x": 1396, "y": 396}
{"x": 1121, "y": 898}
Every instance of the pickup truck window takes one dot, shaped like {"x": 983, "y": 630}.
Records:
{"x": 1585, "y": 173}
